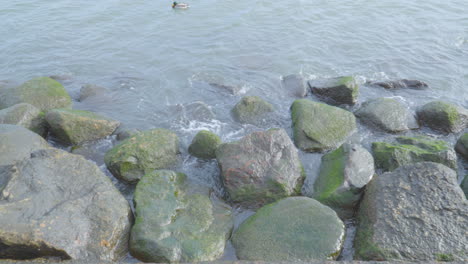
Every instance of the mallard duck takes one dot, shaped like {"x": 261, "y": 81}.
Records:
{"x": 179, "y": 5}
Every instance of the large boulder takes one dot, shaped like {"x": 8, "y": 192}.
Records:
{"x": 177, "y": 221}
{"x": 57, "y": 204}
{"x": 408, "y": 150}
{"x": 443, "y": 116}
{"x": 142, "y": 153}
{"x": 294, "y": 84}
{"x": 75, "y": 126}
{"x": 337, "y": 91}
{"x": 91, "y": 90}
{"x": 462, "y": 146}
{"x": 401, "y": 84}
{"x": 387, "y": 114}
{"x": 251, "y": 109}
{"x": 293, "y": 229}
{"x": 17, "y": 143}
{"x": 260, "y": 168}
{"x": 25, "y": 115}
{"x": 43, "y": 92}
{"x": 417, "y": 212}
{"x": 320, "y": 127}
{"x": 204, "y": 145}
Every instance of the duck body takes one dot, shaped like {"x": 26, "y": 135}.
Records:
{"x": 176, "y": 5}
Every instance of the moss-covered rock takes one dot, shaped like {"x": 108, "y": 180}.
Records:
{"x": 251, "y": 109}
{"x": 337, "y": 91}
{"x": 462, "y": 146}
{"x": 292, "y": 229}
{"x": 410, "y": 150}
{"x": 443, "y": 116}
{"x": 25, "y": 115}
{"x": 43, "y": 92}
{"x": 204, "y": 145}
{"x": 142, "y": 153}
{"x": 319, "y": 127}
{"x": 75, "y": 126}
{"x": 177, "y": 221}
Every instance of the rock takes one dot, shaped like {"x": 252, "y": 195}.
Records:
{"x": 294, "y": 84}
{"x": 410, "y": 150}
{"x": 44, "y": 93}
{"x": 337, "y": 91}
{"x": 251, "y": 109}
{"x": 292, "y": 229}
{"x": 462, "y": 146}
{"x": 76, "y": 126}
{"x": 260, "y": 168}
{"x": 444, "y": 117}
{"x": 57, "y": 204}
{"x": 204, "y": 145}
{"x": 343, "y": 174}
{"x": 17, "y": 143}
{"x": 232, "y": 90}
{"x": 464, "y": 186}
{"x": 142, "y": 153}
{"x": 25, "y": 115}
{"x": 320, "y": 127}
{"x": 177, "y": 221}
{"x": 403, "y": 83}
{"x": 124, "y": 132}
{"x": 387, "y": 114}
{"x": 90, "y": 90}
{"x": 417, "y": 213}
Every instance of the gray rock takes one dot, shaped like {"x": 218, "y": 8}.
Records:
{"x": 124, "y": 132}
{"x": 337, "y": 91}
{"x": 417, "y": 212}
{"x": 387, "y": 114}
{"x": 464, "y": 186}
{"x": 462, "y": 146}
{"x": 251, "y": 109}
{"x": 443, "y": 116}
{"x": 204, "y": 145}
{"x": 57, "y": 204}
{"x": 401, "y": 84}
{"x": 90, "y": 90}
{"x": 25, "y": 115}
{"x": 294, "y": 84}
{"x": 230, "y": 89}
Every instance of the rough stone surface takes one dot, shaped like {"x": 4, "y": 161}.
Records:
{"x": 294, "y": 84}
{"x": 90, "y": 90}
{"x": 462, "y": 146}
{"x": 244, "y": 262}
{"x": 25, "y": 115}
{"x": 417, "y": 212}
{"x": 204, "y": 145}
{"x": 337, "y": 91}
{"x": 260, "y": 168}
{"x": 58, "y": 204}
{"x": 177, "y": 221}
{"x": 251, "y": 109}
{"x": 443, "y": 116}
{"x": 402, "y": 84}
{"x": 410, "y": 150}
{"x": 142, "y": 153}
{"x": 387, "y": 114}
{"x": 43, "y": 92}
{"x": 320, "y": 127}
{"x": 292, "y": 229}
{"x": 76, "y": 126}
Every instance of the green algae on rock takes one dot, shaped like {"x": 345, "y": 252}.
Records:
{"x": 25, "y": 115}
{"x": 337, "y": 91}
{"x": 251, "y": 109}
{"x": 443, "y": 116}
{"x": 204, "y": 145}
{"x": 177, "y": 221}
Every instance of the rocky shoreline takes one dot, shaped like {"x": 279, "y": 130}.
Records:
{"x": 404, "y": 194}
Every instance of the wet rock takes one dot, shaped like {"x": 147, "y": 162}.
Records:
{"x": 76, "y": 126}
{"x": 409, "y": 150}
{"x": 25, "y": 115}
{"x": 294, "y": 84}
{"x": 464, "y": 186}
{"x": 56, "y": 204}
{"x": 232, "y": 90}
{"x": 124, "y": 132}
{"x": 387, "y": 114}
{"x": 142, "y": 153}
{"x": 319, "y": 127}
{"x": 260, "y": 168}
{"x": 251, "y": 109}
{"x": 401, "y": 84}
{"x": 417, "y": 212}
{"x": 90, "y": 90}
{"x": 177, "y": 221}
{"x": 204, "y": 145}
{"x": 462, "y": 146}
{"x": 443, "y": 116}
{"x": 292, "y": 229}
{"x": 43, "y": 93}
{"x": 337, "y": 91}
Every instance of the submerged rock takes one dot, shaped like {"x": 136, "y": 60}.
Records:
{"x": 462, "y": 146}
{"x": 204, "y": 145}
{"x": 142, "y": 153}
{"x": 337, "y": 91}
{"x": 443, "y": 116}
{"x": 260, "y": 168}
{"x": 294, "y": 84}
{"x": 410, "y": 150}
{"x": 25, "y": 115}
{"x": 90, "y": 90}
{"x": 387, "y": 114}
{"x": 417, "y": 213}
{"x": 56, "y": 204}
{"x": 177, "y": 221}
{"x": 251, "y": 109}
{"x": 195, "y": 111}
{"x": 292, "y": 229}
{"x": 400, "y": 84}
{"x": 76, "y": 126}
{"x": 232, "y": 90}
{"x": 44, "y": 93}
{"x": 319, "y": 127}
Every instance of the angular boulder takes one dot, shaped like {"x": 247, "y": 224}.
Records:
{"x": 25, "y": 115}
{"x": 401, "y": 84}
{"x": 443, "y": 116}
{"x": 260, "y": 168}
{"x": 320, "y": 127}
{"x": 408, "y": 150}
{"x": 415, "y": 213}
{"x": 142, "y": 153}
{"x": 251, "y": 109}
{"x": 337, "y": 91}
{"x": 204, "y": 145}
{"x": 91, "y": 90}
{"x": 293, "y": 229}
{"x": 387, "y": 114}
{"x": 177, "y": 221}
{"x": 57, "y": 204}
{"x": 294, "y": 84}
{"x": 462, "y": 146}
